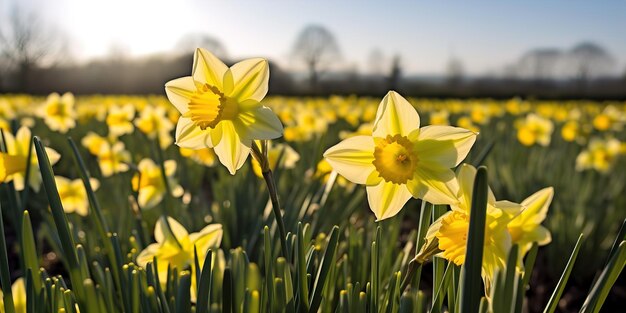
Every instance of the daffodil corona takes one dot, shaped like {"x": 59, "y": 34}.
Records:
{"x": 221, "y": 107}
{"x": 400, "y": 159}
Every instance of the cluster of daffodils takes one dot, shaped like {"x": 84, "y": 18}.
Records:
{"x": 400, "y": 160}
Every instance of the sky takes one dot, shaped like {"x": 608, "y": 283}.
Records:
{"x": 484, "y": 35}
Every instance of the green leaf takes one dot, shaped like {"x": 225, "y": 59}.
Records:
{"x": 204, "y": 284}
{"x": 603, "y": 285}
{"x": 560, "y": 286}
{"x": 326, "y": 263}
{"x": 471, "y": 291}
{"x": 29, "y": 251}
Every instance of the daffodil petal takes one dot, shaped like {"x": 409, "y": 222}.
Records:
{"x": 249, "y": 80}
{"x": 190, "y": 136}
{"x": 537, "y": 205}
{"x": 232, "y": 151}
{"x": 208, "y": 237}
{"x": 352, "y": 158}
{"x": 260, "y": 124}
{"x": 179, "y": 91}
{"x": 541, "y": 235}
{"x": 208, "y": 69}
{"x": 164, "y": 234}
{"x": 147, "y": 255}
{"x": 387, "y": 199}
{"x": 445, "y": 146}
{"x": 435, "y": 186}
{"x": 395, "y": 116}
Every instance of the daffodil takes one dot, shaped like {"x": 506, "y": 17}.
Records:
{"x": 58, "y": 112}
{"x": 204, "y": 156}
{"x": 600, "y": 155}
{"x": 439, "y": 118}
{"x": 119, "y": 119}
{"x": 448, "y": 235}
{"x": 221, "y": 107}
{"x": 73, "y": 194}
{"x": 535, "y": 129}
{"x": 153, "y": 122}
{"x": 112, "y": 155}
{"x": 13, "y": 163}
{"x": 526, "y": 227}
{"x": 150, "y": 184}
{"x": 18, "y": 291}
{"x": 401, "y": 159}
{"x": 175, "y": 247}
{"x": 288, "y": 158}
{"x": 570, "y": 131}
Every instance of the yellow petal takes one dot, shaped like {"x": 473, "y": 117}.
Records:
{"x": 395, "y": 116}
{"x": 260, "y": 123}
{"x": 164, "y": 234}
{"x": 232, "y": 151}
{"x": 190, "y": 136}
{"x": 149, "y": 197}
{"x": 247, "y": 80}
{"x": 541, "y": 235}
{"x": 537, "y": 205}
{"x": 445, "y": 146}
{"x": 352, "y": 158}
{"x": 437, "y": 186}
{"x": 208, "y": 237}
{"x": 208, "y": 69}
{"x": 148, "y": 254}
{"x": 179, "y": 91}
{"x": 387, "y": 199}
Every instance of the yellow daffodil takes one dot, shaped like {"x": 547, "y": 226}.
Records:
{"x": 175, "y": 247}
{"x": 204, "y": 156}
{"x": 610, "y": 118}
{"x": 94, "y": 143}
{"x": 153, "y": 122}
{"x": 600, "y": 155}
{"x": 449, "y": 232}
{"x": 535, "y": 129}
{"x": 323, "y": 171}
{"x": 364, "y": 129}
{"x": 288, "y": 158}
{"x": 401, "y": 159}
{"x": 570, "y": 131}
{"x": 58, "y": 112}
{"x": 73, "y": 194}
{"x": 439, "y": 118}
{"x": 150, "y": 184}
{"x": 221, "y": 107}
{"x": 13, "y": 163}
{"x": 119, "y": 119}
{"x": 526, "y": 227}
{"x": 466, "y": 122}
{"x": 113, "y": 158}
{"x": 18, "y": 290}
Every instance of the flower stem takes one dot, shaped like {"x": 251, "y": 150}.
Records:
{"x": 261, "y": 156}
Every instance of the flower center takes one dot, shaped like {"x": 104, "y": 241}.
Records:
{"x": 208, "y": 106}
{"x": 395, "y": 159}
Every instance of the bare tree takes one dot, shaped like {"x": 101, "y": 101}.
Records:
{"x": 540, "y": 64}
{"x": 199, "y": 40}
{"x": 316, "y": 47}
{"x": 395, "y": 74}
{"x": 454, "y": 71}
{"x": 376, "y": 62}
{"x": 26, "y": 43}
{"x": 590, "y": 60}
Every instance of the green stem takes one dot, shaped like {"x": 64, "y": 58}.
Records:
{"x": 271, "y": 188}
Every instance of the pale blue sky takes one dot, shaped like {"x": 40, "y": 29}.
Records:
{"x": 484, "y": 35}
